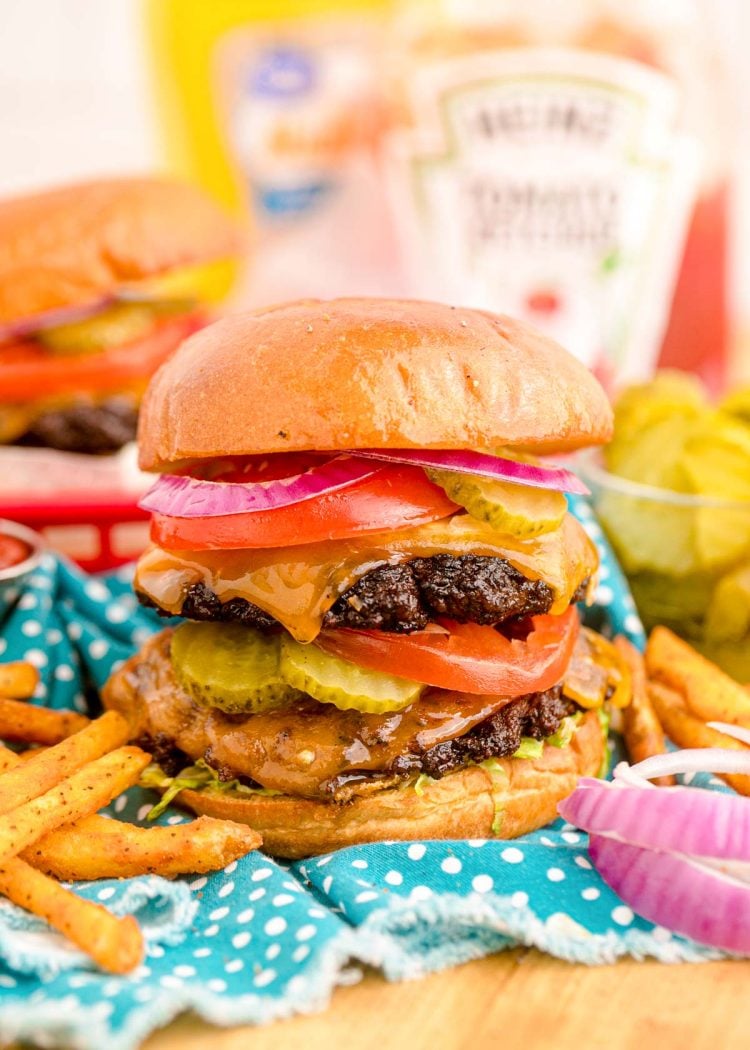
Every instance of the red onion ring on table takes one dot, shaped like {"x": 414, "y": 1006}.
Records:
{"x": 180, "y": 496}
{"x": 709, "y": 904}
{"x": 481, "y": 465}
{"x": 678, "y": 856}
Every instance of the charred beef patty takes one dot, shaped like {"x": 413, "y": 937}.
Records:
{"x": 404, "y": 598}
{"x": 315, "y": 750}
{"x": 84, "y": 427}
{"x": 536, "y": 715}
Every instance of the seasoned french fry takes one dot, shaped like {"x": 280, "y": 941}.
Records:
{"x": 115, "y": 944}
{"x": 37, "y": 725}
{"x": 10, "y": 759}
{"x": 51, "y": 766}
{"x": 97, "y": 848}
{"x": 709, "y": 693}
{"x": 688, "y": 731}
{"x": 641, "y": 728}
{"x": 18, "y": 680}
{"x": 29, "y": 753}
{"x": 80, "y": 795}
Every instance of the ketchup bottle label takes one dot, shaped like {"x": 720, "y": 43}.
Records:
{"x": 551, "y": 184}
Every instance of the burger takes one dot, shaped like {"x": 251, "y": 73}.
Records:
{"x": 98, "y": 285}
{"x": 378, "y": 576}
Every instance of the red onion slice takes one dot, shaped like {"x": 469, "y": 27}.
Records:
{"x": 738, "y": 732}
{"x": 679, "y": 856}
{"x": 688, "y": 760}
{"x": 53, "y": 318}
{"x": 682, "y": 820}
{"x": 482, "y": 465}
{"x": 678, "y": 892}
{"x": 179, "y": 496}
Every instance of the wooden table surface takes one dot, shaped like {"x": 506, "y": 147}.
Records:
{"x": 518, "y": 999}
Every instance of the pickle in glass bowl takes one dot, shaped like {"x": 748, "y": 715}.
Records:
{"x": 673, "y": 495}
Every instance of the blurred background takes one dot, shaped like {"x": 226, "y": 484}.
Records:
{"x": 582, "y": 164}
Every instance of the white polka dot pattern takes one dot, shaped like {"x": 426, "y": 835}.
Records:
{"x": 265, "y": 933}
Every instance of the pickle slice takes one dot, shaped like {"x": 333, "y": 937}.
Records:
{"x": 671, "y": 395}
{"x": 518, "y": 510}
{"x": 655, "y": 456}
{"x": 717, "y": 462}
{"x": 228, "y": 666}
{"x": 331, "y": 680}
{"x": 119, "y": 324}
{"x": 738, "y": 404}
{"x": 649, "y": 536}
{"x": 728, "y": 613}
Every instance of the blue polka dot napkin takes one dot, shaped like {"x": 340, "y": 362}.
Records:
{"x": 262, "y": 940}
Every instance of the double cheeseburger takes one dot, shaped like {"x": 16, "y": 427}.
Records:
{"x": 378, "y": 578}
{"x": 98, "y": 285}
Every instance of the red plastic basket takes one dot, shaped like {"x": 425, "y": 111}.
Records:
{"x": 97, "y": 535}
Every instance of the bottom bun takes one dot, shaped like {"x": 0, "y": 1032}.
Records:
{"x": 519, "y": 795}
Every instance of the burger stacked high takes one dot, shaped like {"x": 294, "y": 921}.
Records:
{"x": 378, "y": 577}
{"x": 98, "y": 285}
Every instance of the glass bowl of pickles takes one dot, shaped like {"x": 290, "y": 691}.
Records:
{"x": 672, "y": 492}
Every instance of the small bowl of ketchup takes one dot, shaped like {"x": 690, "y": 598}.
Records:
{"x": 20, "y": 553}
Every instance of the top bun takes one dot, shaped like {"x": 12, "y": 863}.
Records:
{"x": 368, "y": 373}
{"x": 71, "y": 246}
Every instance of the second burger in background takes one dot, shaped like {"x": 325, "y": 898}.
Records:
{"x": 99, "y": 283}
{"x": 379, "y": 579}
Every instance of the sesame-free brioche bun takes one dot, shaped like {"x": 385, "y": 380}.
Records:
{"x": 470, "y": 803}
{"x": 368, "y": 373}
{"x": 74, "y": 245}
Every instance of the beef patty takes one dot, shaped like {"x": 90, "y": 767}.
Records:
{"x": 537, "y": 715}
{"x": 85, "y": 427}
{"x": 404, "y": 598}
{"x": 316, "y": 750}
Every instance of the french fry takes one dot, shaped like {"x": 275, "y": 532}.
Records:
{"x": 709, "y": 693}
{"x": 37, "y": 725}
{"x": 18, "y": 680}
{"x": 80, "y": 795}
{"x": 641, "y": 728}
{"x": 97, "y": 848}
{"x": 686, "y": 730}
{"x": 116, "y": 944}
{"x": 50, "y": 766}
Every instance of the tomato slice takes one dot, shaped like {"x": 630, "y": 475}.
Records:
{"x": 468, "y": 658}
{"x": 392, "y": 498}
{"x": 29, "y": 372}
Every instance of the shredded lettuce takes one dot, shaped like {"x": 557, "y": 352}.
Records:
{"x": 565, "y": 731}
{"x": 195, "y": 778}
{"x": 603, "y": 717}
{"x": 201, "y": 776}
{"x": 497, "y": 771}
{"x": 529, "y": 748}
{"x": 495, "y": 768}
{"x": 421, "y": 783}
